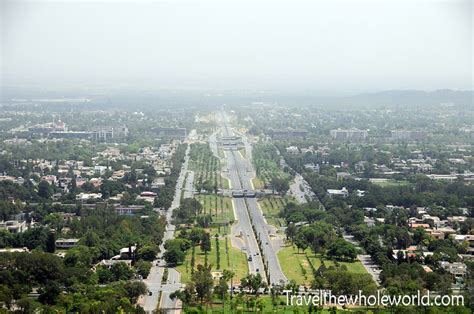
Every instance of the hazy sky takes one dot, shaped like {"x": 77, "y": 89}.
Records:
{"x": 322, "y": 45}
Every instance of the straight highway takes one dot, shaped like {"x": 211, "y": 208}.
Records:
{"x": 240, "y": 173}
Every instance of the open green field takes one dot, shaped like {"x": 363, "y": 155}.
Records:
{"x": 220, "y": 152}
{"x": 271, "y": 207}
{"x": 266, "y": 163}
{"x": 297, "y": 266}
{"x": 206, "y": 167}
{"x": 224, "y": 183}
{"x": 258, "y": 183}
{"x": 232, "y": 259}
{"x": 391, "y": 183}
{"x": 264, "y": 304}
{"x": 219, "y": 207}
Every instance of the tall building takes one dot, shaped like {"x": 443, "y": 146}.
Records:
{"x": 172, "y": 132}
{"x": 349, "y": 134}
{"x": 46, "y": 128}
{"x": 288, "y": 134}
{"x": 404, "y": 135}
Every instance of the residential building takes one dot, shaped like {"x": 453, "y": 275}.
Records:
{"x": 339, "y": 193}
{"x": 66, "y": 243}
{"x": 14, "y": 226}
{"x": 349, "y": 134}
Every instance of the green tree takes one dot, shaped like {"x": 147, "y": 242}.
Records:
{"x": 147, "y": 252}
{"x": 174, "y": 255}
{"x": 280, "y": 185}
{"x": 121, "y": 271}
{"x": 253, "y": 282}
{"x": 49, "y": 293}
{"x": 206, "y": 242}
{"x": 134, "y": 290}
{"x": 218, "y": 253}
{"x": 45, "y": 190}
{"x": 51, "y": 242}
{"x": 341, "y": 249}
{"x": 104, "y": 274}
{"x": 91, "y": 238}
{"x": 143, "y": 268}
{"x": 203, "y": 282}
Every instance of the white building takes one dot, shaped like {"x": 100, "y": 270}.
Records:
{"x": 66, "y": 243}
{"x": 14, "y": 226}
{"x": 341, "y": 193}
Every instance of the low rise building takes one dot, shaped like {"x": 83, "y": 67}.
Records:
{"x": 349, "y": 134}
{"x": 66, "y": 243}
{"x": 14, "y": 226}
{"x": 338, "y": 193}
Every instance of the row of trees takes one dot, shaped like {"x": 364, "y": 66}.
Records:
{"x": 64, "y": 285}
{"x": 165, "y": 195}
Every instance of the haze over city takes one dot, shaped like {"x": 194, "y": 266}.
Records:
{"x": 328, "y": 46}
{"x": 236, "y": 156}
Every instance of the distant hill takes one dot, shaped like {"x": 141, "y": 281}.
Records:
{"x": 131, "y": 98}
{"x": 443, "y": 97}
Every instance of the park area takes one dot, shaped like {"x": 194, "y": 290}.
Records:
{"x": 207, "y": 169}
{"x": 271, "y": 207}
{"x": 229, "y": 258}
{"x": 219, "y": 207}
{"x": 266, "y": 162}
{"x": 299, "y": 266}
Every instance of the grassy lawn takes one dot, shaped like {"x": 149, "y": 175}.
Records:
{"x": 219, "y": 207}
{"x": 257, "y": 183}
{"x": 297, "y": 266}
{"x": 246, "y": 304}
{"x": 266, "y": 164}
{"x": 224, "y": 183}
{"x": 232, "y": 259}
{"x": 391, "y": 183}
{"x": 206, "y": 166}
{"x": 220, "y": 152}
{"x": 271, "y": 207}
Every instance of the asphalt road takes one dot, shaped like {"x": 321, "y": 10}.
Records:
{"x": 189, "y": 185}
{"x": 240, "y": 174}
{"x": 301, "y": 196}
{"x": 263, "y": 230}
{"x": 171, "y": 285}
{"x": 366, "y": 260}
{"x": 153, "y": 281}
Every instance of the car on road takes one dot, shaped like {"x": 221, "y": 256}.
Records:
{"x": 257, "y": 270}
{"x": 250, "y": 258}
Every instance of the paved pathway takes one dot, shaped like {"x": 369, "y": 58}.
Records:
{"x": 366, "y": 260}
{"x": 150, "y": 301}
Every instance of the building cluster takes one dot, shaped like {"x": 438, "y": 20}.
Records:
{"x": 349, "y": 134}
{"x": 59, "y": 130}
{"x": 405, "y": 135}
{"x": 288, "y": 134}
{"x": 437, "y": 229}
{"x": 395, "y": 166}
{"x": 65, "y": 175}
{"x": 175, "y": 133}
